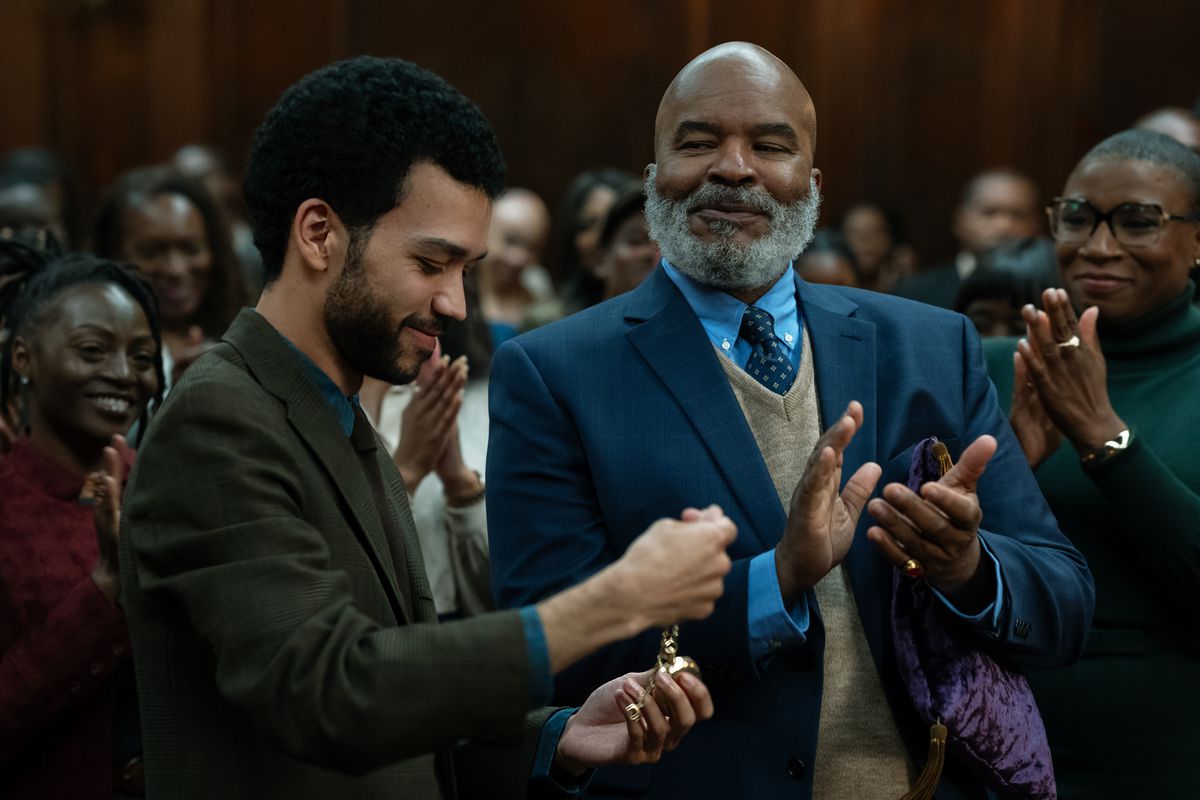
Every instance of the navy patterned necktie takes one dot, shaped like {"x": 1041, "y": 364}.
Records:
{"x": 768, "y": 363}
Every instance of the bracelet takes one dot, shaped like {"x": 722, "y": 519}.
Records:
{"x": 468, "y": 500}
{"x": 1110, "y": 450}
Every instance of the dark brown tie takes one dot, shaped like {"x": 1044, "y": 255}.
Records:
{"x": 365, "y": 442}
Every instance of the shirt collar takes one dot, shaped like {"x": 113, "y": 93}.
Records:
{"x": 721, "y": 313}
{"x": 341, "y": 405}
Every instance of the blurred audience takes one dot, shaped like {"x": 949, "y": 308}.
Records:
{"x": 575, "y": 241}
{"x": 203, "y": 163}
{"x": 38, "y": 190}
{"x": 171, "y": 228}
{"x": 875, "y": 235}
{"x": 83, "y": 355}
{"x": 437, "y": 431}
{"x": 516, "y": 243}
{"x": 22, "y": 255}
{"x": 1007, "y": 278}
{"x": 998, "y": 205}
{"x": 627, "y": 253}
{"x": 1116, "y": 382}
{"x": 828, "y": 259}
{"x": 440, "y": 463}
{"x": 1178, "y": 123}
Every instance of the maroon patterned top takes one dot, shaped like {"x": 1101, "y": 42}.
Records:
{"x": 60, "y": 638}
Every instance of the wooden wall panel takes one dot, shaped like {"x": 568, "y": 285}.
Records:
{"x": 912, "y": 97}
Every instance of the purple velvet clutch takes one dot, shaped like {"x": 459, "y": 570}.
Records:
{"x": 994, "y": 726}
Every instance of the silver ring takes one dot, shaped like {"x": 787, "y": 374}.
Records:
{"x": 1071, "y": 343}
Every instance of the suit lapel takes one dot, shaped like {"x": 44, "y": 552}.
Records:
{"x": 844, "y": 360}
{"x": 271, "y": 361}
{"x": 671, "y": 339}
{"x": 422, "y": 595}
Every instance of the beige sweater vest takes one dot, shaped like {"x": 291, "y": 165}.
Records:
{"x": 860, "y": 755}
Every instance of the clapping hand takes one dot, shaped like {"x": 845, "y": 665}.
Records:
{"x": 1061, "y": 359}
{"x": 429, "y": 419}
{"x": 822, "y": 520}
{"x": 939, "y": 528}
{"x": 107, "y": 488}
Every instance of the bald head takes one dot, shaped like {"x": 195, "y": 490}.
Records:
{"x": 1178, "y": 123}
{"x": 733, "y": 195}
{"x": 732, "y": 70}
{"x": 520, "y": 225}
{"x": 526, "y": 207}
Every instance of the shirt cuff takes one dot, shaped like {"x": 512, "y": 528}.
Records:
{"x": 771, "y": 625}
{"x": 990, "y": 615}
{"x": 540, "y": 684}
{"x": 543, "y": 760}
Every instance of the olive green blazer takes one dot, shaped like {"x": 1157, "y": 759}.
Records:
{"x": 278, "y": 653}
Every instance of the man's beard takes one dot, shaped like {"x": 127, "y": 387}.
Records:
{"x": 724, "y": 262}
{"x": 361, "y": 329}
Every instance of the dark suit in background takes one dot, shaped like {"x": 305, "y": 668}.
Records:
{"x": 937, "y": 286}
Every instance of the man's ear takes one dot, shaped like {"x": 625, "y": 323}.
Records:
{"x": 318, "y": 234}
{"x": 816, "y": 176}
{"x": 646, "y": 170}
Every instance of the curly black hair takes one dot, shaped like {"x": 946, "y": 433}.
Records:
{"x": 349, "y": 134}
{"x": 226, "y": 290}
{"x": 42, "y": 284}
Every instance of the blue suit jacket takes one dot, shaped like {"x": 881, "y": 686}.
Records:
{"x": 620, "y": 415}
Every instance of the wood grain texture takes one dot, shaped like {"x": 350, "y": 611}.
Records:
{"x": 912, "y": 97}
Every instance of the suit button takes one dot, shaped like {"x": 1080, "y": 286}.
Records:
{"x": 95, "y": 670}
{"x": 796, "y": 769}
{"x": 118, "y": 650}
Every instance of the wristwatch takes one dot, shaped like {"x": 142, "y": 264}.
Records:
{"x": 1111, "y": 448}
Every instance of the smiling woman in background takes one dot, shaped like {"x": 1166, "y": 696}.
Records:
{"x": 82, "y": 351}
{"x": 1119, "y": 383}
{"x": 170, "y": 227}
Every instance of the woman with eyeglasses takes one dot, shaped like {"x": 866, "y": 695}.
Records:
{"x": 1104, "y": 389}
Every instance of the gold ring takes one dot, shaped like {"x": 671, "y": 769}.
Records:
{"x": 633, "y": 712}
{"x": 913, "y": 568}
{"x": 1069, "y": 344}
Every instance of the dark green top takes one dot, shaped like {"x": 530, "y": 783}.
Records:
{"x": 1125, "y": 720}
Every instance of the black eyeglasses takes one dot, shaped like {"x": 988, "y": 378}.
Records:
{"x": 1132, "y": 224}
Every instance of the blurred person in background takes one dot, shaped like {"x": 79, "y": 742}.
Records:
{"x": 828, "y": 260}
{"x": 437, "y": 431}
{"x": 516, "y": 243}
{"x": 29, "y": 209}
{"x": 37, "y": 189}
{"x": 1008, "y": 278}
{"x": 1178, "y": 123}
{"x": 22, "y": 255}
{"x": 83, "y": 355}
{"x": 875, "y": 235}
{"x": 575, "y": 240}
{"x": 998, "y": 205}
{"x": 205, "y": 164}
{"x": 1111, "y": 366}
{"x": 628, "y": 254}
{"x": 172, "y": 229}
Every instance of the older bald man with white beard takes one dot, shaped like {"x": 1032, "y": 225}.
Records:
{"x": 726, "y": 379}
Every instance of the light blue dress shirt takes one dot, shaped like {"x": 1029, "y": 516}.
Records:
{"x": 772, "y": 626}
